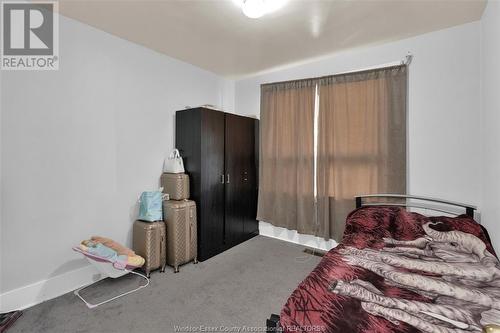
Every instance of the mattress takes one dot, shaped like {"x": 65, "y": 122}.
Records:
{"x": 398, "y": 271}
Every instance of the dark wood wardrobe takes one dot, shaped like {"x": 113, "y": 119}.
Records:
{"x": 220, "y": 152}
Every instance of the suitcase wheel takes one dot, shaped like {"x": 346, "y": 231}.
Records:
{"x": 176, "y": 269}
{"x": 195, "y": 261}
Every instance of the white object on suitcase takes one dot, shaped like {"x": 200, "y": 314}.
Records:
{"x": 173, "y": 163}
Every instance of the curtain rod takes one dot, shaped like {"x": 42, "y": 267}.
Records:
{"x": 406, "y": 61}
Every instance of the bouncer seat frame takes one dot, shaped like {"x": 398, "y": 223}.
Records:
{"x": 107, "y": 269}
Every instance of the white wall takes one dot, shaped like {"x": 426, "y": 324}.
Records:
{"x": 444, "y": 99}
{"x": 490, "y": 130}
{"x": 78, "y": 146}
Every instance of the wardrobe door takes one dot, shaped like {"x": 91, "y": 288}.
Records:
{"x": 211, "y": 218}
{"x": 251, "y": 225}
{"x": 236, "y": 151}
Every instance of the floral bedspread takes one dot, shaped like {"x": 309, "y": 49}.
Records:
{"x": 397, "y": 271}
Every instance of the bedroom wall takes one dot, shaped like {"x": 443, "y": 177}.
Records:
{"x": 490, "y": 129}
{"x": 444, "y": 98}
{"x": 78, "y": 146}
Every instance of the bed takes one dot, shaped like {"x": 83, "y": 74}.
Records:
{"x": 400, "y": 271}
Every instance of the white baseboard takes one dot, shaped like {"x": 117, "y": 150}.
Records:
{"x": 41, "y": 291}
{"x": 292, "y": 236}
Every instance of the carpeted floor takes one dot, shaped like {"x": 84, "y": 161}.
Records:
{"x": 240, "y": 287}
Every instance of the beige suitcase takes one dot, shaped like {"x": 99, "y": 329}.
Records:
{"x": 180, "y": 218}
{"x": 149, "y": 242}
{"x": 176, "y": 185}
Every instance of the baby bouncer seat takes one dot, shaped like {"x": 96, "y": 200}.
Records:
{"x": 108, "y": 269}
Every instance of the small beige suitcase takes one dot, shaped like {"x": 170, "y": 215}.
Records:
{"x": 176, "y": 185}
{"x": 180, "y": 218}
{"x": 149, "y": 243}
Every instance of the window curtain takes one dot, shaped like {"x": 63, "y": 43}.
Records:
{"x": 286, "y": 163}
{"x": 361, "y": 141}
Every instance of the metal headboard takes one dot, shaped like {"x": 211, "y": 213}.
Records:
{"x": 469, "y": 209}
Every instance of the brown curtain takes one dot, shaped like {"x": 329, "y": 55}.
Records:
{"x": 361, "y": 141}
{"x": 286, "y": 173}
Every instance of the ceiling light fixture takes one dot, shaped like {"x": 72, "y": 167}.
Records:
{"x": 253, "y": 8}
{"x": 259, "y": 8}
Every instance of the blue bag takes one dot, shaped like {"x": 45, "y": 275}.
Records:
{"x": 150, "y": 206}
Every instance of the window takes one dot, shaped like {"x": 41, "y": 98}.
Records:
{"x": 342, "y": 135}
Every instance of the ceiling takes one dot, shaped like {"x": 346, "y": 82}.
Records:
{"x": 216, "y": 36}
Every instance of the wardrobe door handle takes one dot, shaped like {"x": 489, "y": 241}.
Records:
{"x": 227, "y": 179}
{"x": 222, "y": 179}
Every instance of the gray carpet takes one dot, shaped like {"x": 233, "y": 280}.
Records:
{"x": 237, "y": 288}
